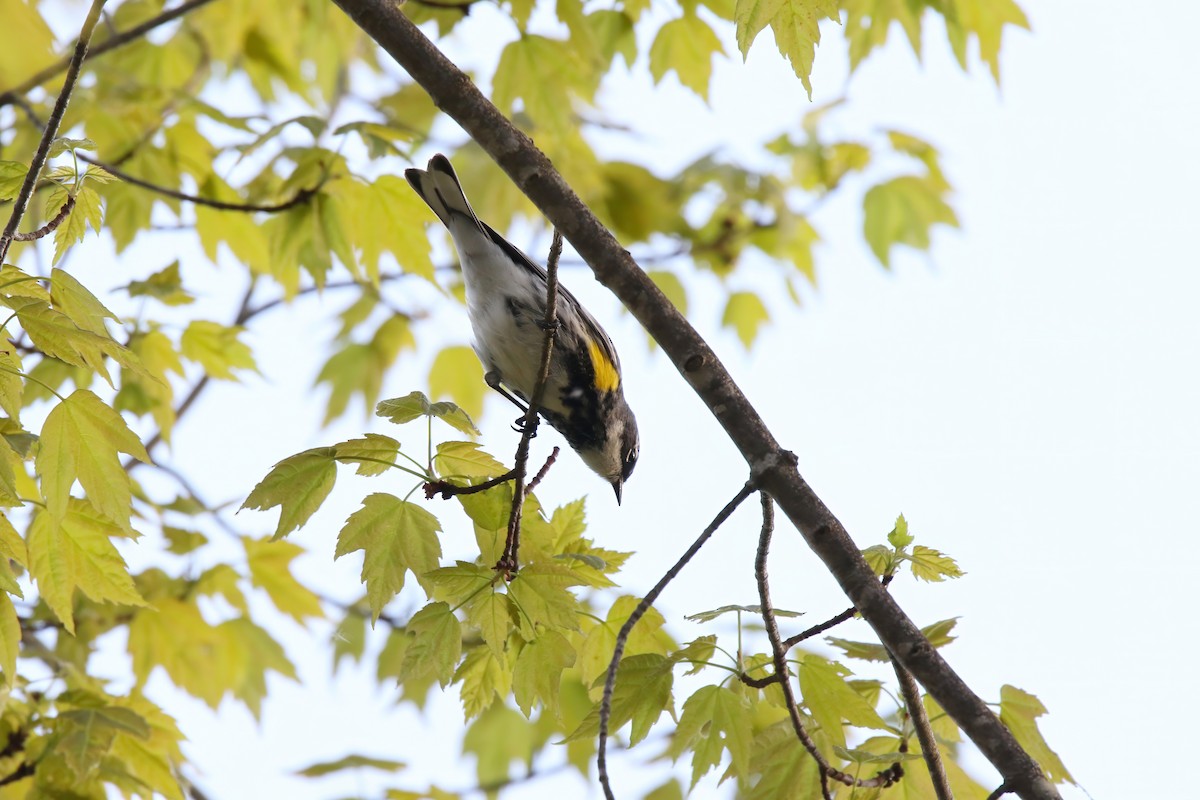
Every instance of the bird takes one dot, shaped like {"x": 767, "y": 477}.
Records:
{"x": 584, "y": 397}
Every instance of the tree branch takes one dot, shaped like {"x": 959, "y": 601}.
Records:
{"x": 56, "y": 116}
{"x": 610, "y": 679}
{"x": 772, "y": 468}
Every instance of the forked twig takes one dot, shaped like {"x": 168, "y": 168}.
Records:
{"x": 610, "y": 680}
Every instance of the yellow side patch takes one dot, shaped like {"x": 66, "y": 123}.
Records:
{"x": 607, "y": 377}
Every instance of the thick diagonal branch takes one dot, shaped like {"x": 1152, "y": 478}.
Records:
{"x": 773, "y": 468}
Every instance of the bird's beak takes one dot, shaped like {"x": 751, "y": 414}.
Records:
{"x": 617, "y": 486}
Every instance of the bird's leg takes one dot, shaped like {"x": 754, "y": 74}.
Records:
{"x": 492, "y": 379}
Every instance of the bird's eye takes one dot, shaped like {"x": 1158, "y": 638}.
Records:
{"x": 631, "y": 456}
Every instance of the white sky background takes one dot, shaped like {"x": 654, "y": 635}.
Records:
{"x": 1026, "y": 395}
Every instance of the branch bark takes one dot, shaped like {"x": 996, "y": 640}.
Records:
{"x": 773, "y": 468}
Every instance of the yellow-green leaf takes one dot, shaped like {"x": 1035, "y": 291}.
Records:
{"x": 1019, "y": 711}
{"x": 902, "y": 211}
{"x": 685, "y": 46}
{"x": 416, "y": 404}
{"x": 353, "y": 761}
{"x": 714, "y": 719}
{"x": 642, "y": 693}
{"x": 538, "y": 671}
{"x": 456, "y": 373}
{"x": 270, "y": 565}
{"x": 434, "y": 646}
{"x": 396, "y": 537}
{"x": 10, "y": 639}
{"x": 745, "y": 313}
{"x": 830, "y": 699}
{"x": 216, "y": 348}
{"x": 72, "y": 298}
{"x": 81, "y": 440}
{"x": 74, "y": 551}
{"x": 166, "y": 286}
{"x": 298, "y": 485}
{"x": 373, "y": 453}
{"x": 932, "y": 565}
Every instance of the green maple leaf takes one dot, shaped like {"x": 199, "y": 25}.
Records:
{"x": 216, "y": 348}
{"x": 937, "y": 633}
{"x": 298, "y": 485}
{"x": 271, "y": 570}
{"x": 465, "y": 460}
{"x": 482, "y": 680}
{"x": 745, "y": 313}
{"x": 932, "y": 565}
{"x": 899, "y": 537}
{"x": 830, "y": 699}
{"x": 74, "y": 551}
{"x": 434, "y": 646}
{"x": 56, "y": 335}
{"x": 166, "y": 286}
{"x": 416, "y": 404}
{"x": 249, "y": 651}
{"x": 82, "y": 439}
{"x": 538, "y": 671}
{"x": 714, "y": 719}
{"x": 456, "y": 373}
{"x": 396, "y": 537}
{"x": 795, "y": 24}
{"x": 492, "y": 612}
{"x": 1019, "y": 711}
{"x": 73, "y": 299}
{"x": 524, "y": 71}
{"x": 10, "y": 639}
{"x": 12, "y": 175}
{"x": 642, "y": 693}
{"x": 373, "y": 453}
{"x": 869, "y": 21}
{"x": 540, "y": 593}
{"x": 785, "y": 768}
{"x": 174, "y": 636}
{"x": 353, "y": 761}
{"x": 986, "y": 20}
{"x": 499, "y": 737}
{"x": 902, "y": 211}
{"x": 685, "y": 46}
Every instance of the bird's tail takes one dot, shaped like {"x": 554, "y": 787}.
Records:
{"x": 438, "y": 186}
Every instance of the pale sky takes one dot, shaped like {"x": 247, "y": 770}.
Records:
{"x": 1025, "y": 394}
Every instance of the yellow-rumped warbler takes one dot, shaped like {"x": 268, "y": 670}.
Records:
{"x": 506, "y": 301}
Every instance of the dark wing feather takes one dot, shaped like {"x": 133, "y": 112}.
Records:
{"x": 593, "y": 327}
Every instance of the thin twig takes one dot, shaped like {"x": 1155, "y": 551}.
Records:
{"x": 883, "y": 778}
{"x": 1001, "y": 790}
{"x": 301, "y": 195}
{"x": 52, "y": 125}
{"x": 920, "y": 720}
{"x": 509, "y": 563}
{"x": 448, "y": 490}
{"x": 779, "y": 655}
{"x": 542, "y": 472}
{"x": 792, "y": 641}
{"x": 112, "y": 43}
{"x": 610, "y": 680}
{"x": 50, "y": 226}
